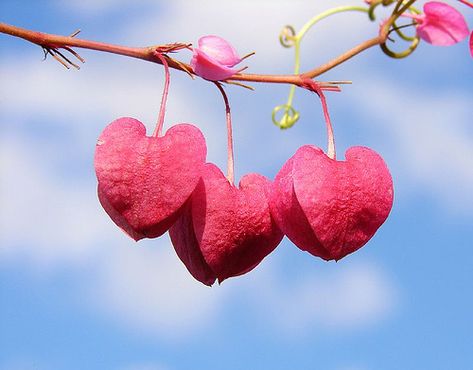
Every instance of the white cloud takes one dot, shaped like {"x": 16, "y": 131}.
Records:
{"x": 44, "y": 218}
{"x": 145, "y": 287}
{"x": 345, "y": 297}
{"x": 254, "y": 26}
{"x": 432, "y": 133}
{"x": 148, "y": 290}
{"x": 85, "y": 102}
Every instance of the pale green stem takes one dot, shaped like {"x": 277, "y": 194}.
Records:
{"x": 297, "y": 67}
{"x": 297, "y": 48}
{"x": 328, "y": 13}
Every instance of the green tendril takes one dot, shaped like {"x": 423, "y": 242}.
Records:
{"x": 328, "y": 13}
{"x": 375, "y": 4}
{"x": 288, "y": 38}
{"x": 401, "y": 34}
{"x": 401, "y": 54}
{"x": 401, "y": 7}
{"x": 289, "y": 118}
{"x": 386, "y": 3}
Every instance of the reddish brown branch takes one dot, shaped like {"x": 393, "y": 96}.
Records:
{"x": 50, "y": 41}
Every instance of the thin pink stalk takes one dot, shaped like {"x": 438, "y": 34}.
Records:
{"x": 314, "y": 86}
{"x": 162, "y": 109}
{"x": 230, "y": 159}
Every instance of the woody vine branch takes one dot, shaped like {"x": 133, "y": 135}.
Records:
{"x": 53, "y": 43}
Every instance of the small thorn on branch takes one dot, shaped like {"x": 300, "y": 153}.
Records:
{"x": 182, "y": 66}
{"x": 61, "y": 58}
{"x": 74, "y": 34}
{"x": 239, "y": 84}
{"x": 171, "y": 48}
{"x": 73, "y": 52}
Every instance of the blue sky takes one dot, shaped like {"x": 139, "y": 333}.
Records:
{"x": 76, "y": 293}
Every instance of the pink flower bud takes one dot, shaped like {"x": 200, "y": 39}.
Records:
{"x": 214, "y": 59}
{"x": 441, "y": 25}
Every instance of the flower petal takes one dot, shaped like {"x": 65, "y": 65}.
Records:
{"x": 219, "y": 50}
{"x": 443, "y": 25}
{"x": 208, "y": 68}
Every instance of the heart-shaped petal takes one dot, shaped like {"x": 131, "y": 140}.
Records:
{"x": 143, "y": 181}
{"x": 225, "y": 231}
{"x": 332, "y": 208}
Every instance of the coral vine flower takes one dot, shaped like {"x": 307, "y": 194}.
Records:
{"x": 441, "y": 24}
{"x": 214, "y": 59}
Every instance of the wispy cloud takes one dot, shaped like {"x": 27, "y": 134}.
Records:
{"x": 151, "y": 292}
{"x": 347, "y": 296}
{"x": 187, "y": 21}
{"x": 44, "y": 218}
{"x": 432, "y": 136}
{"x": 147, "y": 289}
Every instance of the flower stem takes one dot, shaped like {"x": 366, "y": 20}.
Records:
{"x": 230, "y": 157}
{"x": 162, "y": 109}
{"x": 314, "y": 86}
{"x": 291, "y": 116}
{"x": 330, "y": 137}
{"x": 328, "y": 13}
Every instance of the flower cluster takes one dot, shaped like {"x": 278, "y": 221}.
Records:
{"x": 151, "y": 185}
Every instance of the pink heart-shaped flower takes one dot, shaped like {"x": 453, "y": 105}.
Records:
{"x": 143, "y": 181}
{"x": 332, "y": 208}
{"x": 225, "y": 231}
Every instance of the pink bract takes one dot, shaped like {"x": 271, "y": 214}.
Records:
{"x": 143, "y": 181}
{"x": 225, "y": 231}
{"x": 214, "y": 59}
{"x": 441, "y": 24}
{"x": 331, "y": 208}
